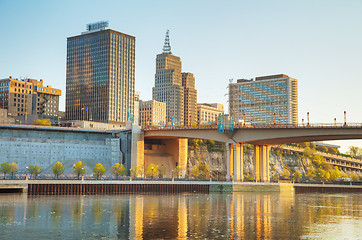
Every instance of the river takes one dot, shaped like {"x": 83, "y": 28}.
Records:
{"x": 182, "y": 216}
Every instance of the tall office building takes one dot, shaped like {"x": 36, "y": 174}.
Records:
{"x": 29, "y": 97}
{"x": 258, "y": 100}
{"x": 100, "y": 75}
{"x": 175, "y": 88}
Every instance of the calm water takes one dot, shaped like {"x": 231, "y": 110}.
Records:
{"x": 182, "y": 216}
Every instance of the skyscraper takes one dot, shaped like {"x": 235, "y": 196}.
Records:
{"x": 266, "y": 100}
{"x": 172, "y": 87}
{"x": 100, "y": 75}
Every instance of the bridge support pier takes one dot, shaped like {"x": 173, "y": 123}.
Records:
{"x": 235, "y": 158}
{"x": 261, "y": 163}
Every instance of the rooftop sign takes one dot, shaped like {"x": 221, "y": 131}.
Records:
{"x": 97, "y": 25}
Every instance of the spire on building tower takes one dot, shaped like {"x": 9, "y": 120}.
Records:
{"x": 167, "y": 46}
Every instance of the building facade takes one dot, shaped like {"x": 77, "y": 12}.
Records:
{"x": 172, "y": 87}
{"x": 190, "y": 99}
{"x": 100, "y": 82}
{"x": 152, "y": 113}
{"x": 26, "y": 97}
{"x": 266, "y": 100}
{"x": 208, "y": 113}
{"x": 136, "y": 116}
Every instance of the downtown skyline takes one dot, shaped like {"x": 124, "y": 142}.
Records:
{"x": 317, "y": 43}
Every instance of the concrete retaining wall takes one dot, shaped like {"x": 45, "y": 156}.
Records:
{"x": 45, "y": 147}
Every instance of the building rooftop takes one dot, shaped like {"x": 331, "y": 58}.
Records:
{"x": 271, "y": 77}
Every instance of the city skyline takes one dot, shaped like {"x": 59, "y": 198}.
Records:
{"x": 317, "y": 43}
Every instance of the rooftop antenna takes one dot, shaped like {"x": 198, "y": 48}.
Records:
{"x": 167, "y": 46}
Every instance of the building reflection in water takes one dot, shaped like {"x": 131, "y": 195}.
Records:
{"x": 181, "y": 216}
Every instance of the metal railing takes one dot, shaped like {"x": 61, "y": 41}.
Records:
{"x": 263, "y": 126}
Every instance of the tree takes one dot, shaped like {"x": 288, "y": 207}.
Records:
{"x": 285, "y": 174}
{"x": 335, "y": 174}
{"x": 355, "y": 152}
{"x": 318, "y": 160}
{"x": 195, "y": 172}
{"x": 322, "y": 148}
{"x": 118, "y": 170}
{"x": 152, "y": 171}
{"x": 297, "y": 176}
{"x": 34, "y": 170}
{"x": 14, "y": 168}
{"x": 79, "y": 168}
{"x": 178, "y": 171}
{"x": 308, "y": 152}
{"x": 310, "y": 174}
{"x": 195, "y": 143}
{"x": 5, "y": 168}
{"x": 44, "y": 122}
{"x": 321, "y": 174}
{"x": 354, "y": 177}
{"x": 161, "y": 171}
{"x": 344, "y": 176}
{"x": 204, "y": 170}
{"x": 136, "y": 171}
{"x": 99, "y": 170}
{"x": 333, "y": 150}
{"x": 58, "y": 169}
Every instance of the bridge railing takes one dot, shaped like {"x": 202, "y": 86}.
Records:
{"x": 257, "y": 125}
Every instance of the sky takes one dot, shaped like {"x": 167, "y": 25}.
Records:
{"x": 317, "y": 42}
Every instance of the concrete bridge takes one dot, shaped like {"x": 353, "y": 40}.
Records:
{"x": 175, "y": 141}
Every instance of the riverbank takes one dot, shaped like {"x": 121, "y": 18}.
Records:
{"x": 84, "y": 187}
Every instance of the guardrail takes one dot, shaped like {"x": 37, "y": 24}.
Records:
{"x": 249, "y": 125}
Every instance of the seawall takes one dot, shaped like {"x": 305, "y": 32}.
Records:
{"x": 87, "y": 187}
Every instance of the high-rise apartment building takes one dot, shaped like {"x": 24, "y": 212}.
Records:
{"x": 265, "y": 100}
{"x": 29, "y": 97}
{"x": 152, "y": 113}
{"x": 175, "y": 88}
{"x": 100, "y": 75}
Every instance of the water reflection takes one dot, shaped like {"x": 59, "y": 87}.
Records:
{"x": 182, "y": 216}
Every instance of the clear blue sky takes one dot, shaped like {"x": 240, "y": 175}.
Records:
{"x": 317, "y": 42}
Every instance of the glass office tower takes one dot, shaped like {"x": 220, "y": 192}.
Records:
{"x": 100, "y": 75}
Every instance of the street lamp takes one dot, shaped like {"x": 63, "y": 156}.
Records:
{"x": 152, "y": 172}
{"x": 172, "y": 174}
{"x": 26, "y": 173}
{"x": 74, "y": 170}
{"x": 308, "y": 118}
